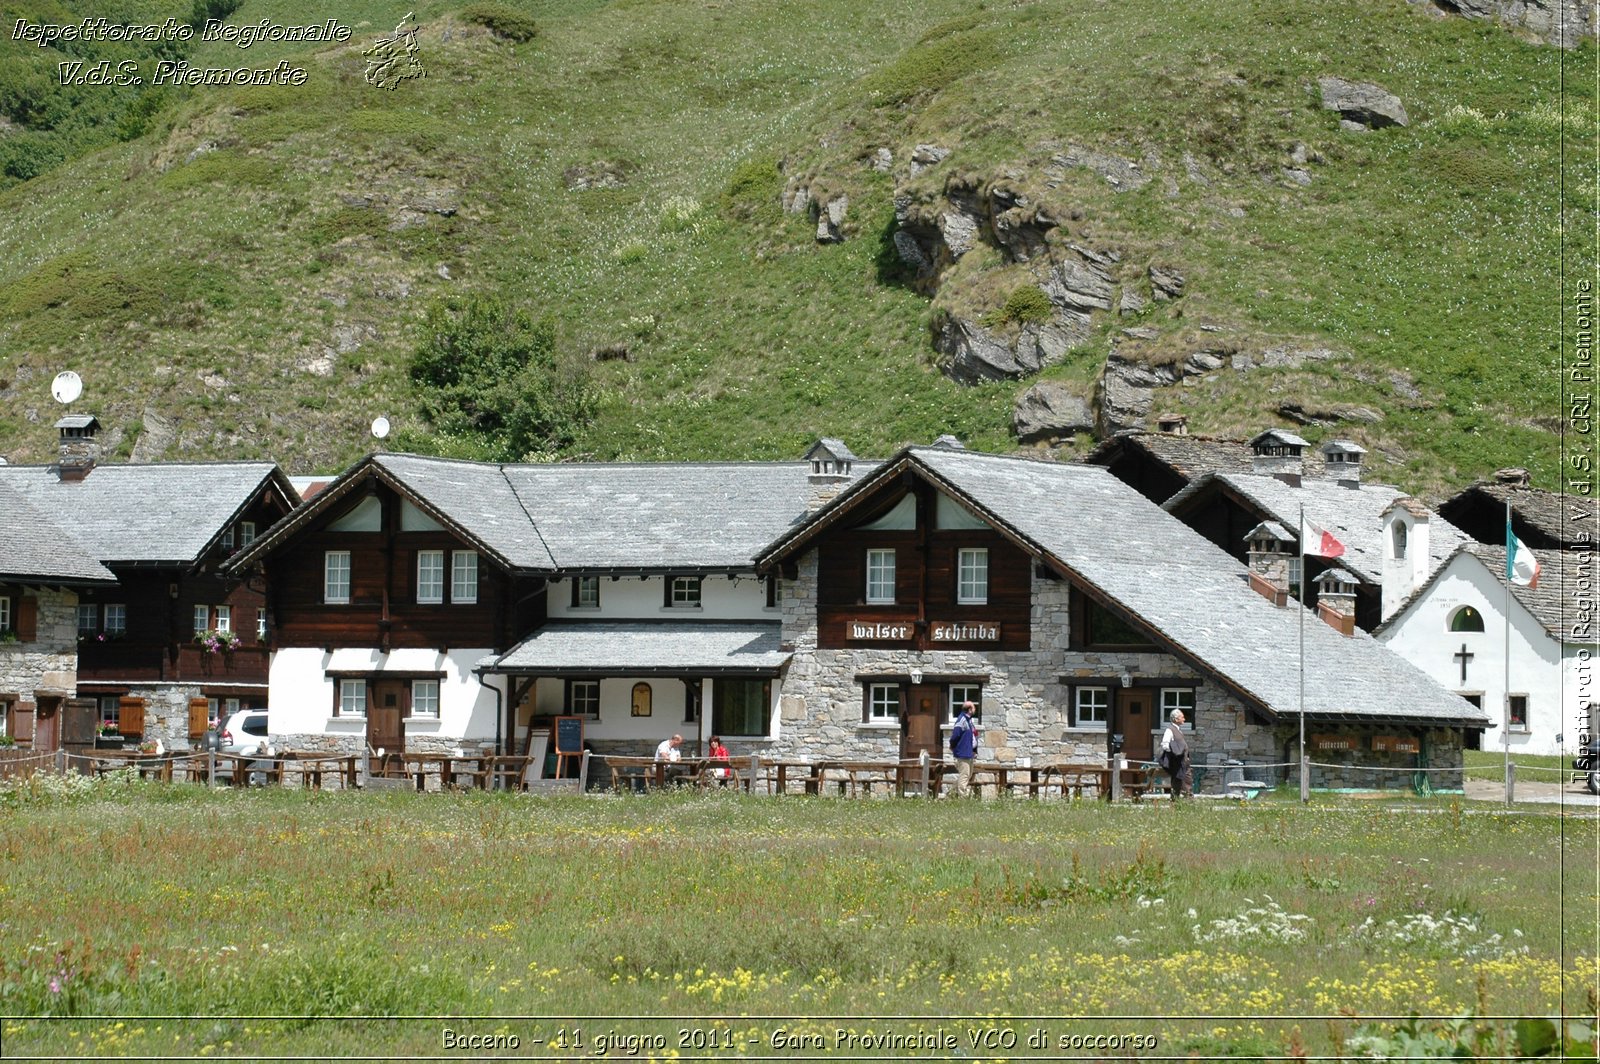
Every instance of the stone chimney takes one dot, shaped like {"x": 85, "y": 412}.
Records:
{"x": 1279, "y": 454}
{"x": 831, "y": 465}
{"x": 1269, "y": 556}
{"x": 1513, "y": 477}
{"x": 1336, "y": 600}
{"x": 1173, "y": 424}
{"x": 78, "y": 447}
{"x": 947, "y": 442}
{"x": 1406, "y": 536}
{"x": 1342, "y": 460}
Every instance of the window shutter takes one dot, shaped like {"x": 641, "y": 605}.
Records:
{"x": 130, "y": 716}
{"x": 24, "y": 722}
{"x": 199, "y": 717}
{"x": 27, "y": 620}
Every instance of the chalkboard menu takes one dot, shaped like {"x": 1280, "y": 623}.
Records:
{"x": 569, "y": 736}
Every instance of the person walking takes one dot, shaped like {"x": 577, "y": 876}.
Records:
{"x": 964, "y": 745}
{"x": 1175, "y": 756}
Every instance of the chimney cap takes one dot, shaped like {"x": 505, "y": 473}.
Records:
{"x": 1345, "y": 447}
{"x": 1513, "y": 477}
{"x": 950, "y": 443}
{"x": 1270, "y": 530}
{"x": 1276, "y": 438}
{"x": 82, "y": 422}
{"x": 1175, "y": 424}
{"x": 1336, "y": 581}
{"x": 830, "y": 448}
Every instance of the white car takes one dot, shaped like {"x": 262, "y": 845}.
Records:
{"x": 244, "y": 731}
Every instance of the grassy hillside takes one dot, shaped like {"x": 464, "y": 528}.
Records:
{"x": 247, "y": 278}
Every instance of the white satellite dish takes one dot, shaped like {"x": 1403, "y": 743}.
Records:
{"x": 66, "y": 387}
{"x": 380, "y": 427}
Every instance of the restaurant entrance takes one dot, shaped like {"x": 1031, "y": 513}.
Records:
{"x": 1134, "y": 722}
{"x": 920, "y": 729}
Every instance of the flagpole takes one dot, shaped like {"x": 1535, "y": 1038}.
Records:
{"x": 1300, "y": 537}
{"x": 1505, "y": 693}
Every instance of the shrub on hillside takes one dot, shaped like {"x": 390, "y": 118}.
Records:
{"x": 502, "y": 20}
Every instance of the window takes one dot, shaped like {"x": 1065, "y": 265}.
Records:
{"x": 880, "y": 576}
{"x": 336, "y": 577}
{"x": 583, "y": 698}
{"x": 352, "y": 698}
{"x": 1091, "y": 706}
{"x": 966, "y": 692}
{"x": 261, "y": 624}
{"x": 1177, "y": 698}
{"x": 1517, "y": 708}
{"x": 1476, "y": 698}
{"x": 88, "y": 618}
{"x": 883, "y": 703}
{"x": 424, "y": 698}
{"x": 224, "y": 618}
{"x": 1108, "y": 629}
{"x": 741, "y": 707}
{"x": 586, "y": 592}
{"x": 972, "y": 579}
{"x": 464, "y": 576}
{"x": 116, "y": 619}
{"x": 202, "y": 619}
{"x": 1296, "y": 574}
{"x": 772, "y": 591}
{"x": 247, "y": 533}
{"x": 5, "y": 613}
{"x": 1399, "y": 540}
{"x": 227, "y": 538}
{"x": 1466, "y": 619}
{"x": 430, "y": 576}
{"x": 111, "y": 710}
{"x": 683, "y": 592}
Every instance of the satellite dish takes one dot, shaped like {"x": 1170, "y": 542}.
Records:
{"x": 66, "y": 387}
{"x": 380, "y": 427}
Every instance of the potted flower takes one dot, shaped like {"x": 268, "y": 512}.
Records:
{"x": 108, "y": 737}
{"x": 213, "y": 641}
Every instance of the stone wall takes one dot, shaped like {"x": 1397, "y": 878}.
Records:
{"x": 54, "y": 650}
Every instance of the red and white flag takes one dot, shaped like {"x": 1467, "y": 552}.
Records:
{"x": 1318, "y": 541}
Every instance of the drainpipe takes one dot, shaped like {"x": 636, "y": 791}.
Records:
{"x": 499, "y": 706}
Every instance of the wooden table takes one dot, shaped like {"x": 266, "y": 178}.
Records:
{"x": 243, "y": 766}
{"x": 313, "y": 764}
{"x": 148, "y": 766}
{"x": 808, "y": 773}
{"x": 629, "y": 773}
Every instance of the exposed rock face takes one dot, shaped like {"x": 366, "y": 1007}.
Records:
{"x": 1363, "y": 103}
{"x": 830, "y": 219}
{"x": 882, "y": 159}
{"x": 1329, "y": 416}
{"x": 971, "y": 354}
{"x": 1564, "y": 23}
{"x": 1124, "y": 175}
{"x": 1165, "y": 282}
{"x": 1050, "y": 411}
{"x": 826, "y": 210}
{"x": 924, "y": 156}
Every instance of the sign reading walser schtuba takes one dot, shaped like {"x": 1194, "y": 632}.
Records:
{"x": 938, "y": 632}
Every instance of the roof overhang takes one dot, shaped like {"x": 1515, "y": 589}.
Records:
{"x": 685, "y": 649}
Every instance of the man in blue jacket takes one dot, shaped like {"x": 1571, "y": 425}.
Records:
{"x": 964, "y": 745}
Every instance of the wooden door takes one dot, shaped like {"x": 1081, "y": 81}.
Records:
{"x": 919, "y": 726}
{"x": 47, "y": 725}
{"x": 386, "y": 723}
{"x": 1134, "y": 720}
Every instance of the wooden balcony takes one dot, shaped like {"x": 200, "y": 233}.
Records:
{"x": 126, "y": 659}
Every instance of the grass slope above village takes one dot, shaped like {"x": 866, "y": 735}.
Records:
{"x": 248, "y": 272}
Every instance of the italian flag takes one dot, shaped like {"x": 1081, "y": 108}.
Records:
{"x": 1521, "y": 566}
{"x": 1317, "y": 541}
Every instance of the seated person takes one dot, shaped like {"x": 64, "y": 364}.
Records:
{"x": 719, "y": 753}
{"x": 668, "y": 750}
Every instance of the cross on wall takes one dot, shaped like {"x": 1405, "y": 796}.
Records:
{"x": 1463, "y": 656}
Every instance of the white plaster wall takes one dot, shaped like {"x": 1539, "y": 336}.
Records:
{"x": 1423, "y": 637}
{"x": 300, "y": 692}
{"x": 721, "y": 598}
{"x": 1402, "y": 576}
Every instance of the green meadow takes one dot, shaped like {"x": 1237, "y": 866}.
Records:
{"x": 145, "y": 919}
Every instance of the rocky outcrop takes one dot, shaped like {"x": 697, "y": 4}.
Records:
{"x": 1333, "y": 415}
{"x": 1050, "y": 411}
{"x": 1564, "y": 23}
{"x": 969, "y": 353}
{"x": 1124, "y": 175}
{"x": 925, "y": 156}
{"x": 1362, "y": 104}
{"x": 827, "y": 210}
{"x": 830, "y": 219}
{"x": 1127, "y": 386}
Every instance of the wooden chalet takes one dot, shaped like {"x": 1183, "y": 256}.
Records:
{"x": 173, "y": 643}
{"x": 1076, "y": 616}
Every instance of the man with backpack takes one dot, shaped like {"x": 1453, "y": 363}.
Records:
{"x": 964, "y": 745}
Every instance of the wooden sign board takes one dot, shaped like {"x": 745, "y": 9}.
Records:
{"x": 569, "y": 736}
{"x": 1396, "y": 744}
{"x": 1335, "y": 742}
{"x": 975, "y": 632}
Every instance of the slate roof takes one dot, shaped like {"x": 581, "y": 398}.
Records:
{"x": 34, "y": 549}
{"x": 1544, "y": 511}
{"x": 645, "y": 648}
{"x": 1194, "y": 596}
{"x": 1193, "y": 456}
{"x": 679, "y": 516}
{"x": 1353, "y": 515}
{"x": 145, "y": 513}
